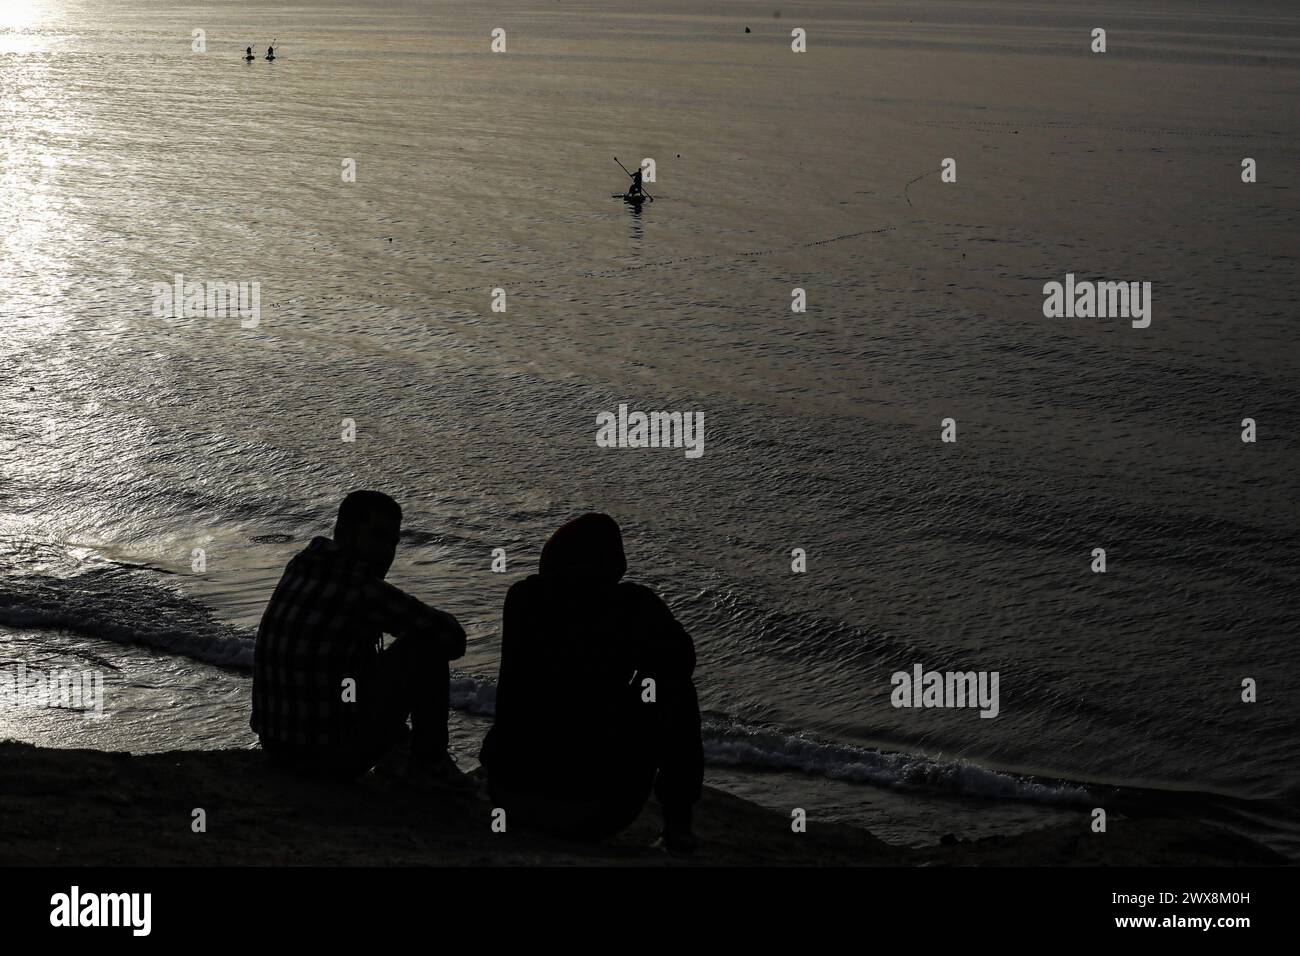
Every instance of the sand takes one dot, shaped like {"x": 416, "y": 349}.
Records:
{"x": 94, "y": 808}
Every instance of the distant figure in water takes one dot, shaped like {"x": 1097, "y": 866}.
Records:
{"x": 270, "y": 53}
{"x": 595, "y": 705}
{"x": 635, "y": 189}
{"x": 327, "y": 700}
{"x": 248, "y": 53}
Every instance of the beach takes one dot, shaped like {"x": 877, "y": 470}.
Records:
{"x": 89, "y": 808}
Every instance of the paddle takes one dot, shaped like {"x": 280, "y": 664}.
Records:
{"x": 624, "y": 168}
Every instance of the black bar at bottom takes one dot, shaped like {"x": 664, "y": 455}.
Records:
{"x": 331, "y": 906}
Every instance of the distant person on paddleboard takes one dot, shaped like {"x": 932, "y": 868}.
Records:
{"x": 635, "y": 190}
{"x": 248, "y": 53}
{"x": 270, "y": 53}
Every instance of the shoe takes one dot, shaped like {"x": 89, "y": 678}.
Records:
{"x": 678, "y": 840}
{"x": 442, "y": 773}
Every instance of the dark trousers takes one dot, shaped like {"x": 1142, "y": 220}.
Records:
{"x": 410, "y": 681}
{"x": 660, "y": 751}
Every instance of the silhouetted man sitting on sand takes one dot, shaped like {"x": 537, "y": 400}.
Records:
{"x": 327, "y": 700}
{"x": 595, "y": 705}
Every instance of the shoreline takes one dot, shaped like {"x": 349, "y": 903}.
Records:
{"x": 99, "y": 808}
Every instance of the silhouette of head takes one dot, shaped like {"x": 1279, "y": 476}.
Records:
{"x": 588, "y": 548}
{"x": 368, "y": 526}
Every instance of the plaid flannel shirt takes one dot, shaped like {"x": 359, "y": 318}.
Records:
{"x": 324, "y": 623}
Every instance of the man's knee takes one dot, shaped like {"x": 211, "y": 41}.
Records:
{"x": 411, "y": 661}
{"x": 414, "y": 651}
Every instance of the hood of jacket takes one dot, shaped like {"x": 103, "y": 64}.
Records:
{"x": 589, "y": 548}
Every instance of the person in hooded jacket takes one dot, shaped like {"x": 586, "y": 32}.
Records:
{"x": 595, "y": 705}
